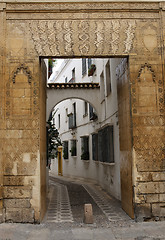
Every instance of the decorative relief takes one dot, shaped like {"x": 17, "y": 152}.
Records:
{"x": 161, "y": 97}
{"x": 68, "y": 32}
{"x": 43, "y": 35}
{"x": 23, "y": 124}
{"x": 26, "y": 71}
{"x": 115, "y": 35}
{"x": 21, "y": 93}
{"x": 58, "y": 36}
{"x": 88, "y": 37}
{"x": 130, "y": 33}
{"x": 100, "y": 36}
{"x": 147, "y": 93}
{"x": 144, "y": 91}
{"x": 84, "y": 37}
{"x": 150, "y": 37}
{"x": 51, "y": 35}
{"x": 35, "y": 35}
{"x": 144, "y": 68}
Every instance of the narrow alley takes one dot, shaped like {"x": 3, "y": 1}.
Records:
{"x": 68, "y": 196}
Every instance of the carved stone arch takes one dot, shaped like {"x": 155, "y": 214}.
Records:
{"x": 21, "y": 92}
{"x": 145, "y": 91}
{"x": 149, "y": 69}
{"x": 26, "y": 71}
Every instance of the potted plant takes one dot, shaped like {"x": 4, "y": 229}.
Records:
{"x": 91, "y": 70}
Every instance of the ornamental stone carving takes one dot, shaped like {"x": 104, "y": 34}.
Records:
{"x": 48, "y": 40}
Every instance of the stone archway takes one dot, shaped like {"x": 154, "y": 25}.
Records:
{"x": 57, "y": 93}
{"x": 30, "y": 30}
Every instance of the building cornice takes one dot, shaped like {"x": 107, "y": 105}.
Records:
{"x": 73, "y": 85}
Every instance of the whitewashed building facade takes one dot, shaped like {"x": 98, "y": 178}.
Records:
{"x": 90, "y": 146}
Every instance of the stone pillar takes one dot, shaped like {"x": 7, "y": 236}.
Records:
{"x": 147, "y": 110}
{"x": 24, "y": 137}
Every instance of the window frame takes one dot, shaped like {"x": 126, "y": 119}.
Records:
{"x": 65, "y": 151}
{"x": 73, "y": 147}
{"x": 85, "y": 154}
{"x": 84, "y": 66}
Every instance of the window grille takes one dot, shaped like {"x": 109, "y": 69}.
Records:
{"x": 73, "y": 148}
{"x": 85, "y": 148}
{"x": 92, "y": 115}
{"x": 84, "y": 67}
{"x": 72, "y": 123}
{"x": 102, "y": 88}
{"x": 59, "y": 122}
{"x": 73, "y": 75}
{"x": 108, "y": 78}
{"x": 85, "y": 109}
{"x": 95, "y": 147}
{"x": 72, "y": 118}
{"x": 89, "y": 62}
{"x": 106, "y": 145}
{"x": 65, "y": 150}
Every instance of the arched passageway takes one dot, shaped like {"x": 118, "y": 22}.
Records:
{"x": 57, "y": 93}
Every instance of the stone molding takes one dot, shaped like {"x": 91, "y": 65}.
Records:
{"x": 73, "y": 85}
{"x": 99, "y": 6}
{"x": 2, "y": 6}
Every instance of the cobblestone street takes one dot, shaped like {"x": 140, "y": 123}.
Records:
{"x": 67, "y": 199}
{"x": 64, "y": 218}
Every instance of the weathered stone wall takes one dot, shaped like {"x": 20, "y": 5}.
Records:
{"x": 21, "y": 132}
{"x": 86, "y": 29}
{"x": 146, "y": 75}
{"x": 2, "y": 110}
{"x": 21, "y": 190}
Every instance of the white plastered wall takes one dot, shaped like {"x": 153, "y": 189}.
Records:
{"x": 106, "y": 174}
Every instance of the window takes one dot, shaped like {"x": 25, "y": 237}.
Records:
{"x": 74, "y": 113}
{"x": 66, "y": 114}
{"x": 65, "y": 149}
{"x": 108, "y": 78}
{"x": 92, "y": 115}
{"x": 91, "y": 67}
{"x": 89, "y": 62}
{"x": 72, "y": 80}
{"x": 72, "y": 118}
{"x": 106, "y": 145}
{"x": 66, "y": 79}
{"x": 102, "y": 88}
{"x": 84, "y": 67}
{"x": 85, "y": 148}
{"x": 90, "y": 112}
{"x": 95, "y": 147}
{"x": 73, "y": 75}
{"x": 85, "y": 109}
{"x": 58, "y": 120}
{"x": 54, "y": 120}
{"x": 73, "y": 149}
{"x": 71, "y": 121}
